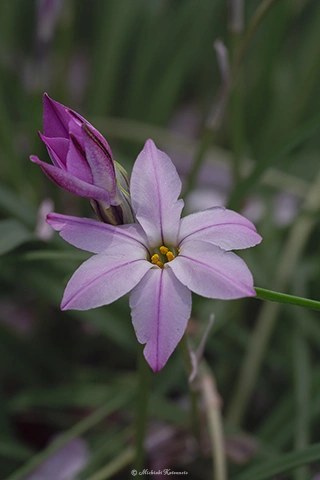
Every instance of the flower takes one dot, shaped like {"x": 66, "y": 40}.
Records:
{"x": 160, "y": 259}
{"x": 83, "y": 163}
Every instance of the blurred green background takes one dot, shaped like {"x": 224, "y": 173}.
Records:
{"x": 148, "y": 68}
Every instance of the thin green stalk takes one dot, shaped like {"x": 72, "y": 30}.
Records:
{"x": 142, "y": 409}
{"x": 266, "y": 320}
{"x": 215, "y": 423}
{"x": 271, "y": 296}
{"x": 77, "y": 430}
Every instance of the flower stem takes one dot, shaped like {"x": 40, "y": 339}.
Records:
{"x": 142, "y": 409}
{"x": 271, "y": 296}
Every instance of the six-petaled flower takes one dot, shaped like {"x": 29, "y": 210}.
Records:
{"x": 161, "y": 258}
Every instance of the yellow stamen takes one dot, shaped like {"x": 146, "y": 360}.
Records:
{"x": 163, "y": 250}
{"x": 155, "y": 259}
{"x": 170, "y": 256}
{"x": 178, "y": 250}
{"x": 160, "y": 264}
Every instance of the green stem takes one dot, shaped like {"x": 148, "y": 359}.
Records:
{"x": 271, "y": 296}
{"x": 76, "y": 431}
{"x": 142, "y": 409}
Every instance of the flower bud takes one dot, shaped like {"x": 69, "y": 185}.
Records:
{"x": 83, "y": 163}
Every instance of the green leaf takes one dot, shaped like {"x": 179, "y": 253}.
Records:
{"x": 12, "y": 234}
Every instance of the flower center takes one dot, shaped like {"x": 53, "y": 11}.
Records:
{"x": 163, "y": 255}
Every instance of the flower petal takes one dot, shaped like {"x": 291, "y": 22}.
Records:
{"x": 74, "y": 185}
{"x": 79, "y": 120}
{"x": 57, "y": 149}
{"x": 105, "y": 277}
{"x": 155, "y": 188}
{"x": 96, "y": 237}
{"x": 221, "y": 227}
{"x": 100, "y": 160}
{"x": 55, "y": 118}
{"x": 211, "y": 272}
{"x": 160, "y": 310}
{"x": 77, "y": 164}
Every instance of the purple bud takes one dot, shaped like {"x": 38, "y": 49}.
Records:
{"x": 83, "y": 163}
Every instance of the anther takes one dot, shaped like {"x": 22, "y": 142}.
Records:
{"x": 160, "y": 264}
{"x": 155, "y": 259}
{"x": 170, "y": 256}
{"x": 164, "y": 250}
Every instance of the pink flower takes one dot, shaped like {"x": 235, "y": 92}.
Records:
{"x": 83, "y": 163}
{"x": 160, "y": 259}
